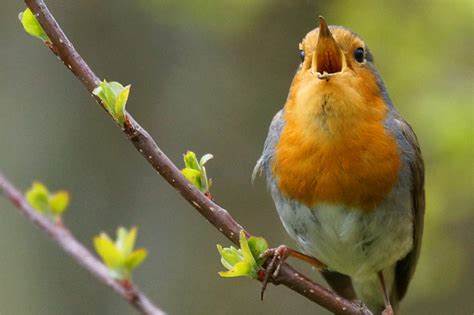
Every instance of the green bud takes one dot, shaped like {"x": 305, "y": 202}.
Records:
{"x": 243, "y": 262}
{"x": 31, "y": 25}
{"x": 114, "y": 96}
{"x": 119, "y": 256}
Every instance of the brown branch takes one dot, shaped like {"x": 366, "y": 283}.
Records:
{"x": 63, "y": 237}
{"x": 145, "y": 144}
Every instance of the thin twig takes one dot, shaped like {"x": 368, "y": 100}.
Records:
{"x": 145, "y": 144}
{"x": 64, "y": 238}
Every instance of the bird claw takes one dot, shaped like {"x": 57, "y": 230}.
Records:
{"x": 388, "y": 310}
{"x": 277, "y": 257}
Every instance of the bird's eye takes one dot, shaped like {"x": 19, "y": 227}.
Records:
{"x": 301, "y": 53}
{"x": 359, "y": 54}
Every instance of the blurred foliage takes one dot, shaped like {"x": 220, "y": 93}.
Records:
{"x": 52, "y": 205}
{"x": 120, "y": 256}
{"x": 224, "y": 17}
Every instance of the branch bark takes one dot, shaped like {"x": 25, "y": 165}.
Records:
{"x": 68, "y": 243}
{"x": 147, "y": 147}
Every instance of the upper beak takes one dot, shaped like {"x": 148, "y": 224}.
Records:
{"x": 328, "y": 57}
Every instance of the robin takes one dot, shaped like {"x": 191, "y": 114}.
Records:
{"x": 346, "y": 174}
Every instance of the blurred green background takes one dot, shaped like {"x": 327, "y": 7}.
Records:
{"x": 208, "y": 76}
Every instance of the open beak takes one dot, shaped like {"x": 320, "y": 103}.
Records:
{"x": 328, "y": 58}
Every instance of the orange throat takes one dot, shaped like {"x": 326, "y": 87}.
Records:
{"x": 334, "y": 151}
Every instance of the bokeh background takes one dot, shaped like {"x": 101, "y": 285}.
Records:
{"x": 208, "y": 76}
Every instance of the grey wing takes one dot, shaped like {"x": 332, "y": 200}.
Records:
{"x": 263, "y": 163}
{"x": 405, "y": 267}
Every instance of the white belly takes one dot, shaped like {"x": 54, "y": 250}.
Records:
{"x": 350, "y": 241}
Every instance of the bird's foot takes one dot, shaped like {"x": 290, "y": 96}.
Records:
{"x": 388, "y": 307}
{"x": 275, "y": 259}
{"x": 388, "y": 310}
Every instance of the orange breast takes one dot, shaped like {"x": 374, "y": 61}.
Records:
{"x": 336, "y": 159}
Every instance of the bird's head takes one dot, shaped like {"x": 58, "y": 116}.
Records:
{"x": 336, "y": 77}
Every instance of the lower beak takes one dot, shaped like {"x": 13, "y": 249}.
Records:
{"x": 328, "y": 57}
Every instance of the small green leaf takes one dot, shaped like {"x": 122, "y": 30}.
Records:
{"x": 109, "y": 97}
{"x": 116, "y": 87}
{"x": 205, "y": 158}
{"x": 135, "y": 258}
{"x": 114, "y": 96}
{"x": 119, "y": 256}
{"x": 244, "y": 261}
{"x": 240, "y": 269}
{"x": 38, "y": 197}
{"x": 257, "y": 245}
{"x": 120, "y": 103}
{"x": 31, "y": 25}
{"x": 58, "y": 202}
{"x": 244, "y": 247}
{"x": 121, "y": 236}
{"x": 190, "y": 161}
{"x": 229, "y": 256}
{"x": 129, "y": 241}
{"x": 107, "y": 250}
{"x": 99, "y": 91}
{"x": 205, "y": 185}
{"x": 192, "y": 175}
{"x": 195, "y": 171}
{"x": 51, "y": 205}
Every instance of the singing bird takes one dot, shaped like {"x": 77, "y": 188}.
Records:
{"x": 345, "y": 172}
